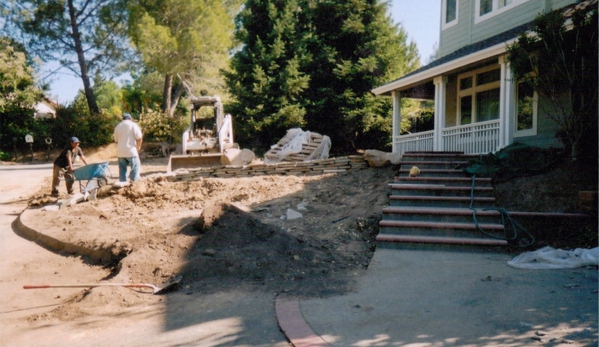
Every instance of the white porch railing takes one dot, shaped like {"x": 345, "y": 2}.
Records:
{"x": 477, "y": 138}
{"x": 418, "y": 142}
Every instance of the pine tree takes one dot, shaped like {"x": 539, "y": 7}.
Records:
{"x": 313, "y": 64}
{"x": 266, "y": 77}
{"x": 355, "y": 48}
{"x": 181, "y": 39}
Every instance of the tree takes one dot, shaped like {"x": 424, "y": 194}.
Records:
{"x": 559, "y": 61}
{"x": 266, "y": 76}
{"x": 181, "y": 39}
{"x": 17, "y": 85}
{"x": 313, "y": 64}
{"x": 356, "y": 48}
{"x": 108, "y": 96}
{"x": 18, "y": 94}
{"x": 83, "y": 35}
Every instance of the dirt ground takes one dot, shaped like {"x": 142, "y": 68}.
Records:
{"x": 233, "y": 232}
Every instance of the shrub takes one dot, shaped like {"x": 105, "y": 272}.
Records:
{"x": 5, "y": 156}
{"x": 159, "y": 127}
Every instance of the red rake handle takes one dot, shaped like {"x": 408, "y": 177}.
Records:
{"x": 83, "y": 285}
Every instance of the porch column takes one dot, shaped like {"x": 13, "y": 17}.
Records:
{"x": 506, "y": 104}
{"x": 396, "y": 95}
{"x": 440, "y": 91}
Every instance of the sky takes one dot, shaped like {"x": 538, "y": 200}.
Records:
{"x": 420, "y": 19}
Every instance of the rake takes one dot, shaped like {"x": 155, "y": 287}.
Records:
{"x": 156, "y": 289}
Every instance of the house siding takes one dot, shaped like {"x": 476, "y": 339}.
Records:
{"x": 546, "y": 130}
{"x": 466, "y": 32}
{"x": 457, "y": 36}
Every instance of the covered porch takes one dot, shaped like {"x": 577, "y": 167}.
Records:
{"x": 477, "y": 106}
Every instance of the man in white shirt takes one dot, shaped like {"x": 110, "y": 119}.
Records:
{"x": 128, "y": 137}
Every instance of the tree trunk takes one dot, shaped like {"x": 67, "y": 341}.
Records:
{"x": 166, "y": 93}
{"x": 89, "y": 94}
{"x": 175, "y": 99}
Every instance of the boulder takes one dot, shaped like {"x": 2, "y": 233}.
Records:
{"x": 376, "y": 158}
{"x": 235, "y": 156}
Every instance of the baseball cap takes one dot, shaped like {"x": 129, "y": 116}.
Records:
{"x": 126, "y": 116}
{"x": 74, "y": 139}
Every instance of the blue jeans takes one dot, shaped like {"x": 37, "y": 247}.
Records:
{"x": 135, "y": 164}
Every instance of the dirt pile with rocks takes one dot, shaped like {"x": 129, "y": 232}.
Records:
{"x": 303, "y": 234}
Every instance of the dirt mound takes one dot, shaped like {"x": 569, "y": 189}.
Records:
{"x": 224, "y": 233}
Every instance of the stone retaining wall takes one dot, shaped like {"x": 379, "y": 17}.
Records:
{"x": 313, "y": 167}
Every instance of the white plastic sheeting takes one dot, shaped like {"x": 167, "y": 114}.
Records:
{"x": 551, "y": 258}
{"x": 293, "y": 142}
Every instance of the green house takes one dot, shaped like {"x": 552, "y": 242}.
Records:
{"x": 479, "y": 108}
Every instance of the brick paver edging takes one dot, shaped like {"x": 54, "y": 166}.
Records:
{"x": 313, "y": 167}
{"x": 294, "y": 326}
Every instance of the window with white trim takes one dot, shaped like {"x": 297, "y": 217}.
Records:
{"x": 526, "y": 110}
{"x": 485, "y": 9}
{"x": 478, "y": 95}
{"x": 449, "y": 13}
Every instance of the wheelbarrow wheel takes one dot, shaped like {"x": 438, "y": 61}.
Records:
{"x": 102, "y": 182}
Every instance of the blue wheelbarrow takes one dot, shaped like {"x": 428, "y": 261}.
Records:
{"x": 94, "y": 175}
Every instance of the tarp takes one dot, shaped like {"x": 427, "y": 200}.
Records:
{"x": 551, "y": 258}
{"x": 515, "y": 160}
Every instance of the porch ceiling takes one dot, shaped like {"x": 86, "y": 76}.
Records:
{"x": 423, "y": 91}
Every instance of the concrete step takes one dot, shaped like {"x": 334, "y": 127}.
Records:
{"x": 440, "y": 229}
{"x": 440, "y": 201}
{"x": 431, "y": 240}
{"x": 460, "y": 156}
{"x": 438, "y": 190}
{"x": 448, "y": 181}
{"x": 431, "y": 164}
{"x": 405, "y": 171}
{"x": 439, "y": 214}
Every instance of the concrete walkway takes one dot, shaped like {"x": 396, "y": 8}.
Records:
{"x": 436, "y": 298}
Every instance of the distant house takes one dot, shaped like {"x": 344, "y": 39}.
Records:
{"x": 46, "y": 108}
{"x": 471, "y": 83}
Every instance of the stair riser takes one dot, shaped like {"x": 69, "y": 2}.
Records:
{"x": 440, "y": 192}
{"x": 439, "y": 247}
{"x": 447, "y": 183}
{"x": 432, "y": 165}
{"x": 440, "y": 218}
{"x": 452, "y": 173}
{"x": 449, "y": 157}
{"x": 438, "y": 232}
{"x": 440, "y": 203}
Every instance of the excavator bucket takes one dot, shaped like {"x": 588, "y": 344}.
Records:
{"x": 176, "y": 162}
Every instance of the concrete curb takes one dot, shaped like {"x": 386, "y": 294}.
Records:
{"x": 293, "y": 325}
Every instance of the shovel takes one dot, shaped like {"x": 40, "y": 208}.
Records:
{"x": 156, "y": 289}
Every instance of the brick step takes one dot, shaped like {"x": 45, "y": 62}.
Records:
{"x": 409, "y": 213}
{"x": 448, "y": 181}
{"x": 434, "y": 172}
{"x": 440, "y": 201}
{"x": 439, "y": 214}
{"x": 439, "y": 229}
{"x": 439, "y": 156}
{"x": 431, "y": 164}
{"x": 438, "y": 190}
{"x": 424, "y": 240}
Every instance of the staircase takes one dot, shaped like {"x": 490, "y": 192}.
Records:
{"x": 433, "y": 209}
